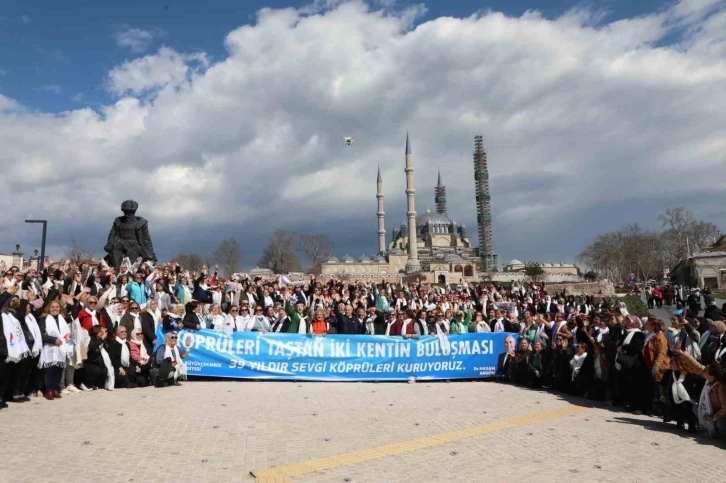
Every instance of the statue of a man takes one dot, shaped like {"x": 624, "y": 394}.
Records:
{"x": 129, "y": 237}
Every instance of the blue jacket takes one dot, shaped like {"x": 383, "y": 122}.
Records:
{"x": 137, "y": 292}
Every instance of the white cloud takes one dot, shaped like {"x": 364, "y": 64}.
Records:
{"x": 25, "y": 19}
{"x": 137, "y": 40}
{"x": 165, "y": 68}
{"x": 577, "y": 116}
{"x": 3, "y": 72}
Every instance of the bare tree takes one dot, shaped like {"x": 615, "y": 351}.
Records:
{"x": 77, "y": 252}
{"x": 316, "y": 247}
{"x": 676, "y": 221}
{"x": 684, "y": 235}
{"x": 279, "y": 254}
{"x": 228, "y": 256}
{"x": 191, "y": 261}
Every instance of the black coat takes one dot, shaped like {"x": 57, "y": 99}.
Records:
{"x": 114, "y": 353}
{"x": 147, "y": 328}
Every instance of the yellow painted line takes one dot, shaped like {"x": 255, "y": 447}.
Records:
{"x": 282, "y": 474}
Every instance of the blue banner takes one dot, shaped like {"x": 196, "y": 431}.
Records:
{"x": 253, "y": 355}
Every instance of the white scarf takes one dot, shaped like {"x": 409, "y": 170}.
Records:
{"x": 217, "y": 322}
{"x": 443, "y": 340}
{"x": 202, "y": 321}
{"x": 229, "y": 324}
{"x": 678, "y": 390}
{"x": 499, "y": 326}
{"x": 110, "y": 375}
{"x": 576, "y": 363}
{"x": 388, "y": 327}
{"x": 629, "y": 337}
{"x": 370, "y": 328}
{"x": 482, "y": 326}
{"x": 705, "y": 409}
{"x": 37, "y": 337}
{"x": 156, "y": 315}
{"x": 303, "y": 327}
{"x": 137, "y": 322}
{"x": 92, "y": 313}
{"x": 404, "y": 326}
{"x": 53, "y": 355}
{"x": 142, "y": 348}
{"x": 173, "y": 353}
{"x": 124, "y": 351}
{"x": 14, "y": 338}
{"x": 601, "y": 333}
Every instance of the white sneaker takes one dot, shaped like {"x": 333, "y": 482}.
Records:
{"x": 73, "y": 389}
{"x": 84, "y": 388}
{"x": 65, "y": 392}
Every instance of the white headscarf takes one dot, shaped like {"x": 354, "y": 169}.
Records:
{"x": 140, "y": 344}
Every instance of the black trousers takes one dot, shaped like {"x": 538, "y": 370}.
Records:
{"x": 94, "y": 375}
{"x": 10, "y": 377}
{"x": 121, "y": 381}
{"x": 35, "y": 376}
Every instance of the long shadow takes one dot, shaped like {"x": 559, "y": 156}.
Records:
{"x": 661, "y": 427}
{"x": 619, "y": 416}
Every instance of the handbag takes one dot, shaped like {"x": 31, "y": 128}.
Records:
{"x": 625, "y": 361}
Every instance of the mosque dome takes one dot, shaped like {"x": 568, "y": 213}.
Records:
{"x": 515, "y": 262}
{"x": 433, "y": 218}
{"x": 453, "y": 258}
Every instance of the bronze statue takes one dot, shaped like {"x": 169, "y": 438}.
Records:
{"x": 129, "y": 237}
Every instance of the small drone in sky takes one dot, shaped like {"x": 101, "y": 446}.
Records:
{"x": 348, "y": 141}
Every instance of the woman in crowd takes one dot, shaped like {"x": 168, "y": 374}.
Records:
{"x": 97, "y": 363}
{"x": 14, "y": 351}
{"x": 132, "y": 319}
{"x": 261, "y": 323}
{"x": 57, "y": 347}
{"x": 679, "y": 391}
{"x": 215, "y": 318}
{"x": 151, "y": 317}
{"x": 319, "y": 325}
{"x": 140, "y": 363}
{"x": 170, "y": 361}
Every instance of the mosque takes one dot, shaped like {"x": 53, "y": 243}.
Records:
{"x": 431, "y": 246}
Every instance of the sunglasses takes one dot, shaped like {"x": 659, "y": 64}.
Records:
{"x": 234, "y": 310}
{"x": 91, "y": 302}
{"x": 173, "y": 338}
{"x": 124, "y": 301}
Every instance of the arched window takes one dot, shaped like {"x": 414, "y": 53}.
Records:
{"x": 468, "y": 271}
{"x": 458, "y": 268}
{"x": 442, "y": 279}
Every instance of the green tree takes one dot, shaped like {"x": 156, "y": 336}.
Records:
{"x": 533, "y": 270}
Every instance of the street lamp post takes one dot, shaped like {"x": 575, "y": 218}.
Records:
{"x": 42, "y": 242}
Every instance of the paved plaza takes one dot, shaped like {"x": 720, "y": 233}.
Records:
{"x": 221, "y": 431}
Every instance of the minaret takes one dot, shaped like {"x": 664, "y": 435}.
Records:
{"x": 381, "y": 214}
{"x": 440, "y": 197}
{"x": 483, "y": 207}
{"x": 412, "y": 265}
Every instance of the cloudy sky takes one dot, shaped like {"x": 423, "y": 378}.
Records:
{"x": 223, "y": 121}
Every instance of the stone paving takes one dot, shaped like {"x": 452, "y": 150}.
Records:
{"x": 220, "y": 431}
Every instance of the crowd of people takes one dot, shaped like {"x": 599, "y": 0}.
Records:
{"x": 78, "y": 327}
{"x": 601, "y": 352}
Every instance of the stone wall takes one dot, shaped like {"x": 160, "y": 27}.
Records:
{"x": 604, "y": 287}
